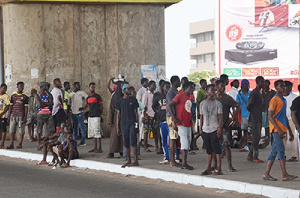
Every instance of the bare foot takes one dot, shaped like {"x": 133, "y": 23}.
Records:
{"x": 99, "y": 151}
{"x": 92, "y": 151}
{"x": 127, "y": 164}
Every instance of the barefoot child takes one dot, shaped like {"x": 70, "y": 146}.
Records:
{"x": 279, "y": 126}
{"x": 68, "y": 151}
{"x": 211, "y": 123}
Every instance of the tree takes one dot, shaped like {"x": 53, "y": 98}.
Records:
{"x": 196, "y": 77}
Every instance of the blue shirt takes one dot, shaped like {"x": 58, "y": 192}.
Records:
{"x": 243, "y": 100}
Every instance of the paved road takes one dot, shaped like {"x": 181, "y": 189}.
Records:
{"x": 20, "y": 178}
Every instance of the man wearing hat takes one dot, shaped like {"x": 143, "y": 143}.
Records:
{"x": 44, "y": 102}
{"x": 128, "y": 123}
{"x": 242, "y": 98}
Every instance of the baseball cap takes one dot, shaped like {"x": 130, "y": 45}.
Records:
{"x": 127, "y": 86}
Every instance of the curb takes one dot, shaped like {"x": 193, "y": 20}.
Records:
{"x": 180, "y": 178}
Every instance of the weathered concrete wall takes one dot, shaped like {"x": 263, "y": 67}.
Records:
{"x": 85, "y": 43}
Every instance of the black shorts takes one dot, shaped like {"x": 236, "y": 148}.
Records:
{"x": 212, "y": 143}
{"x": 3, "y": 125}
{"x": 129, "y": 136}
{"x": 59, "y": 117}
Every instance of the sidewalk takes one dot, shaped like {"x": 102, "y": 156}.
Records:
{"x": 248, "y": 179}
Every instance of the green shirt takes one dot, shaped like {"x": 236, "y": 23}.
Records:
{"x": 200, "y": 95}
{"x": 66, "y": 98}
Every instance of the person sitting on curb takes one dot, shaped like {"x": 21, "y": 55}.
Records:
{"x": 68, "y": 151}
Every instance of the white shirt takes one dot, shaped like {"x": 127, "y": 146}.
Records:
{"x": 55, "y": 93}
{"x": 233, "y": 92}
{"x": 140, "y": 93}
{"x": 76, "y": 100}
{"x": 289, "y": 101}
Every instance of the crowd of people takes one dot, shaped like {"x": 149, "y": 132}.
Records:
{"x": 174, "y": 118}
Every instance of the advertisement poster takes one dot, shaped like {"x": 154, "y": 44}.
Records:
{"x": 258, "y": 37}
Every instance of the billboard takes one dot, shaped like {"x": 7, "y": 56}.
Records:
{"x": 105, "y": 1}
{"x": 258, "y": 37}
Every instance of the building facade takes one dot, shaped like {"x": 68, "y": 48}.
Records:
{"x": 202, "y": 51}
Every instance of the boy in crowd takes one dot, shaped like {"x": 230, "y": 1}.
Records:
{"x": 18, "y": 110}
{"x": 128, "y": 125}
{"x": 148, "y": 116}
{"x": 175, "y": 81}
{"x": 44, "y": 114}
{"x": 211, "y": 123}
{"x": 289, "y": 96}
{"x": 76, "y": 100}
{"x": 242, "y": 98}
{"x": 94, "y": 102}
{"x": 267, "y": 94}
{"x": 4, "y": 105}
{"x": 200, "y": 97}
{"x": 139, "y": 97}
{"x": 58, "y": 112}
{"x": 295, "y": 113}
{"x": 227, "y": 103}
{"x": 183, "y": 120}
{"x": 234, "y": 89}
{"x": 255, "y": 107}
{"x": 159, "y": 106}
{"x": 68, "y": 151}
{"x": 278, "y": 127}
{"x": 32, "y": 113}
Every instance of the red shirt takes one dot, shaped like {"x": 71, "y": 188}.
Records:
{"x": 184, "y": 109}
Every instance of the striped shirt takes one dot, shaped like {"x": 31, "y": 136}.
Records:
{"x": 18, "y": 103}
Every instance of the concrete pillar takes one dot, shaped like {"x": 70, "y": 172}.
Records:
{"x": 85, "y": 43}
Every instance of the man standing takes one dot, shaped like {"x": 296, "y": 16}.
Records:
{"x": 267, "y": 94}
{"x": 148, "y": 115}
{"x": 94, "y": 102}
{"x": 183, "y": 120}
{"x": 76, "y": 100}
{"x": 242, "y": 98}
{"x": 295, "y": 112}
{"x": 159, "y": 106}
{"x": 175, "y": 81}
{"x": 289, "y": 96}
{"x": 200, "y": 97}
{"x": 4, "y": 105}
{"x": 255, "y": 106}
{"x": 67, "y": 87}
{"x": 227, "y": 103}
{"x": 18, "y": 110}
{"x": 278, "y": 127}
{"x": 128, "y": 123}
{"x": 58, "y": 112}
{"x": 44, "y": 115}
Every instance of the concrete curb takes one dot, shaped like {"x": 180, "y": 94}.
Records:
{"x": 236, "y": 186}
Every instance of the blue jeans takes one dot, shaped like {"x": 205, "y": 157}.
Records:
{"x": 164, "y": 132}
{"x": 78, "y": 119}
{"x": 277, "y": 148}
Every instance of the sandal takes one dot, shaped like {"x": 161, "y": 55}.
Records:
{"x": 243, "y": 150}
{"x": 192, "y": 153}
{"x": 289, "y": 178}
{"x": 42, "y": 163}
{"x": 175, "y": 165}
{"x": 206, "y": 173}
{"x": 258, "y": 161}
{"x": 19, "y": 146}
{"x": 269, "y": 178}
{"x": 10, "y": 147}
{"x": 127, "y": 164}
{"x": 2, "y": 147}
{"x": 65, "y": 165}
{"x": 293, "y": 159}
{"x": 232, "y": 170}
{"x": 216, "y": 172}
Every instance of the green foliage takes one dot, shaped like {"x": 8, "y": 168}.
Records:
{"x": 196, "y": 77}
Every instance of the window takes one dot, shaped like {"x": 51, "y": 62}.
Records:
{"x": 200, "y": 59}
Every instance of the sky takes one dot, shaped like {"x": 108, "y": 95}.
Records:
{"x": 177, "y": 20}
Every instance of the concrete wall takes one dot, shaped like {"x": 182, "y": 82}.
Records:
{"x": 76, "y": 42}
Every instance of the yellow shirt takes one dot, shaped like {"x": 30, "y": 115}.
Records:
{"x": 4, "y": 102}
{"x": 66, "y": 98}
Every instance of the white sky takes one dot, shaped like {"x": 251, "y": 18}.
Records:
{"x": 177, "y": 20}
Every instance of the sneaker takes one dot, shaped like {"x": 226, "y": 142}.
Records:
{"x": 187, "y": 167}
{"x": 82, "y": 144}
{"x": 165, "y": 161}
